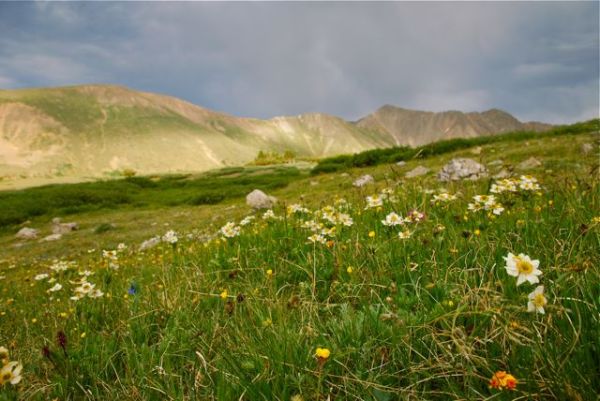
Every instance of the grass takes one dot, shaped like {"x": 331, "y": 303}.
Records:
{"x": 430, "y": 317}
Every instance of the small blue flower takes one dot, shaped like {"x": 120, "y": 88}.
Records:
{"x": 132, "y": 289}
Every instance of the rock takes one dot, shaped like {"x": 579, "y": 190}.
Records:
{"x": 51, "y": 237}
{"x": 462, "y": 169}
{"x": 496, "y": 162}
{"x": 586, "y": 148}
{"x": 504, "y": 173}
{"x": 363, "y": 180}
{"x": 344, "y": 175}
{"x": 63, "y": 228}
{"x": 257, "y": 199}
{"x": 401, "y": 163}
{"x": 27, "y": 233}
{"x": 532, "y": 162}
{"x": 150, "y": 243}
{"x": 314, "y": 183}
{"x": 417, "y": 171}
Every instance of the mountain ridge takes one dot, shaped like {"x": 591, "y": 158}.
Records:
{"x": 99, "y": 129}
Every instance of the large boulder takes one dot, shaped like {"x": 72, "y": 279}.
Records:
{"x": 257, "y": 199}
{"x": 462, "y": 169}
{"x": 416, "y": 172}
{"x": 587, "y": 148}
{"x": 363, "y": 180}
{"x": 27, "y": 233}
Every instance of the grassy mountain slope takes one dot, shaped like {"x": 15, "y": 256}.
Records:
{"x": 433, "y": 315}
{"x": 98, "y": 129}
{"x": 71, "y": 133}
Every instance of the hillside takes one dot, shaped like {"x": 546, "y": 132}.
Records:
{"x": 70, "y": 133}
{"x": 325, "y": 296}
{"x": 412, "y": 127}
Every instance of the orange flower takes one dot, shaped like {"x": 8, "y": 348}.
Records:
{"x": 501, "y": 380}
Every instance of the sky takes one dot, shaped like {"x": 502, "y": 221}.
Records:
{"x": 537, "y": 60}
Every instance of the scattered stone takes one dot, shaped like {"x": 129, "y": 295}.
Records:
{"x": 51, "y": 237}
{"x": 344, "y": 175}
{"x": 532, "y": 162}
{"x": 462, "y": 169}
{"x": 416, "y": 172}
{"x": 496, "y": 162}
{"x": 504, "y": 173}
{"x": 63, "y": 228}
{"x": 401, "y": 163}
{"x": 476, "y": 150}
{"x": 150, "y": 243}
{"x": 257, "y": 199}
{"x": 363, "y": 180}
{"x": 314, "y": 183}
{"x": 27, "y": 233}
{"x": 587, "y": 148}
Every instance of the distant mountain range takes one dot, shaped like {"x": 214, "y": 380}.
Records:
{"x": 94, "y": 130}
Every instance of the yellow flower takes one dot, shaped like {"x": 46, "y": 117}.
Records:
{"x": 224, "y": 294}
{"x": 322, "y": 354}
{"x": 82, "y": 335}
{"x": 477, "y": 232}
{"x": 349, "y": 269}
{"x": 269, "y": 272}
{"x": 371, "y": 234}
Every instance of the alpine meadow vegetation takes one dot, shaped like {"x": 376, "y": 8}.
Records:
{"x": 405, "y": 289}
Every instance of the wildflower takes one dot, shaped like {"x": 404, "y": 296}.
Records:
{"x": 296, "y": 208}
{"x": 502, "y": 380}
{"x": 11, "y": 373}
{"x": 121, "y": 247}
{"x": 246, "y": 220}
{"x": 268, "y": 215}
{"x": 170, "y": 237}
{"x": 404, "y": 234}
{"x": 371, "y": 234}
{"x": 374, "y": 201}
{"x": 57, "y": 287}
{"x": 223, "y": 294}
{"x": 61, "y": 340}
{"x": 345, "y": 219}
{"x": 61, "y": 266}
{"x": 4, "y": 355}
{"x": 392, "y": 219}
{"x": 269, "y": 272}
{"x": 132, "y": 289}
{"x": 443, "y": 197}
{"x": 230, "y": 230}
{"x": 322, "y": 354}
{"x": 537, "y": 300}
{"x": 317, "y": 238}
{"x": 349, "y": 269}
{"x": 42, "y": 276}
{"x": 414, "y": 216}
{"x": 528, "y": 183}
{"x": 522, "y": 267}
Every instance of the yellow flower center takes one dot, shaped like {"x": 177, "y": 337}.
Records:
{"x": 539, "y": 300}
{"x": 524, "y": 266}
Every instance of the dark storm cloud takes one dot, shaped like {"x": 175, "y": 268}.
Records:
{"x": 538, "y": 61}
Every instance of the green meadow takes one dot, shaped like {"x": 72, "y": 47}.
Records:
{"x": 405, "y": 289}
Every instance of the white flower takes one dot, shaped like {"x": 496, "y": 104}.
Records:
{"x": 537, "y": 300}
{"x": 392, "y": 219}
{"x": 374, "y": 201}
{"x": 112, "y": 255}
{"x": 11, "y": 373}
{"x": 345, "y": 219}
{"x": 61, "y": 266}
{"x": 529, "y": 183}
{"x": 523, "y": 268}
{"x": 41, "y": 276}
{"x": 247, "y": 220}
{"x": 230, "y": 230}
{"x": 268, "y": 215}
{"x": 312, "y": 225}
{"x": 317, "y": 238}
{"x": 296, "y": 208}
{"x": 170, "y": 237}
{"x": 404, "y": 234}
{"x": 57, "y": 287}
{"x": 121, "y": 247}
{"x": 443, "y": 197}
